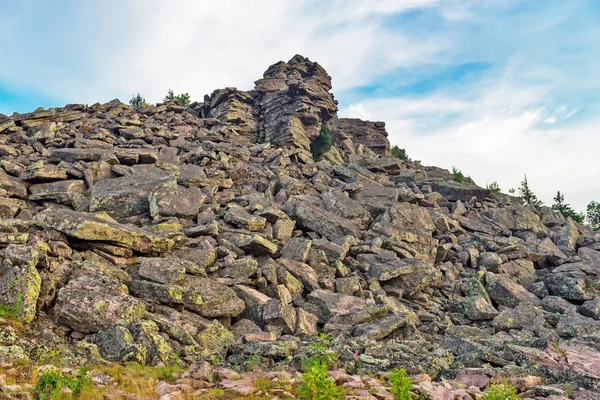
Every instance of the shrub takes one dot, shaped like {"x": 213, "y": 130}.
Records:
{"x": 500, "y": 391}
{"x": 494, "y": 187}
{"x": 565, "y": 209}
{"x": 50, "y": 384}
{"x": 183, "y": 98}
{"x": 400, "y": 384}
{"x": 593, "y": 215}
{"x": 458, "y": 175}
{"x": 399, "y": 153}
{"x": 136, "y": 102}
{"x": 528, "y": 196}
{"x": 322, "y": 144}
{"x": 316, "y": 385}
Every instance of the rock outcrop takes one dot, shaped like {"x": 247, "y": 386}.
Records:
{"x": 209, "y": 233}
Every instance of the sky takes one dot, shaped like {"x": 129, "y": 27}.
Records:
{"x": 496, "y": 88}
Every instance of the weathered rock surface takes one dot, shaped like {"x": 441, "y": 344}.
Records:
{"x": 209, "y": 233}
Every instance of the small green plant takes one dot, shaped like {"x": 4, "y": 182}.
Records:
{"x": 494, "y": 187}
{"x": 168, "y": 373}
{"x": 322, "y": 144}
{"x": 400, "y": 384}
{"x": 500, "y": 391}
{"x": 136, "y": 102}
{"x": 48, "y": 356}
{"x": 569, "y": 389}
{"x": 399, "y": 153}
{"x": 557, "y": 348}
{"x": 316, "y": 385}
{"x": 458, "y": 175}
{"x": 50, "y": 384}
{"x": 182, "y": 98}
{"x": 252, "y": 363}
{"x": 15, "y": 310}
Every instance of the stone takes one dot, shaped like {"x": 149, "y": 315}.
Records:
{"x": 322, "y": 221}
{"x": 196, "y": 259}
{"x": 42, "y": 172}
{"x": 381, "y": 328}
{"x": 575, "y": 281}
{"x": 476, "y": 308}
{"x": 240, "y": 218}
{"x": 88, "y": 306}
{"x": 13, "y": 186}
{"x": 258, "y": 245}
{"x": 87, "y": 227}
{"x": 69, "y": 192}
{"x": 280, "y": 314}
{"x": 216, "y": 300}
{"x": 214, "y": 341}
{"x": 127, "y": 196}
{"x": 523, "y": 316}
{"x": 297, "y": 249}
{"x": 372, "y": 134}
{"x": 522, "y": 271}
{"x": 376, "y": 198}
{"x": 175, "y": 201}
{"x": 507, "y": 293}
{"x": 591, "y": 308}
{"x": 303, "y": 272}
{"x": 20, "y": 283}
{"x": 162, "y": 270}
{"x": 455, "y": 191}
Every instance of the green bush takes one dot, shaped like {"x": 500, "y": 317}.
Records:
{"x": 322, "y": 144}
{"x": 183, "y": 98}
{"x": 399, "y": 153}
{"x": 458, "y": 175}
{"x": 136, "y": 102}
{"x": 316, "y": 385}
{"x": 400, "y": 384}
{"x": 494, "y": 187}
{"x": 51, "y": 382}
{"x": 500, "y": 391}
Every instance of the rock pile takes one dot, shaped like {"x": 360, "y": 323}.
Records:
{"x": 210, "y": 233}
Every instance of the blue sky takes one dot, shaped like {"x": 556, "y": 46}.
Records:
{"x": 498, "y": 88}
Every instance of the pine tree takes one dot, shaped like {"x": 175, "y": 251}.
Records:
{"x": 528, "y": 196}
{"x": 566, "y": 209}
{"x": 593, "y": 215}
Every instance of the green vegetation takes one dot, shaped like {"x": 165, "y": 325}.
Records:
{"x": 53, "y": 385}
{"x": 528, "y": 196}
{"x": 500, "y": 391}
{"x": 460, "y": 177}
{"x": 136, "y": 102}
{"x": 14, "y": 311}
{"x": 593, "y": 215}
{"x": 494, "y": 187}
{"x": 565, "y": 209}
{"x": 399, "y": 153}
{"x": 316, "y": 385}
{"x": 400, "y": 384}
{"x": 322, "y": 144}
{"x": 182, "y": 98}
{"x": 252, "y": 363}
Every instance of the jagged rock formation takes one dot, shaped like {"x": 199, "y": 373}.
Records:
{"x": 209, "y": 233}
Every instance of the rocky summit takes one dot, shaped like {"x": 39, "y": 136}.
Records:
{"x": 210, "y": 236}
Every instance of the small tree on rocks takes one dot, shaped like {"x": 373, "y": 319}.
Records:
{"x": 565, "y": 209}
{"x": 528, "y": 196}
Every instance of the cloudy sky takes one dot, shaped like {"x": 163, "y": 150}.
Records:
{"x": 497, "y": 88}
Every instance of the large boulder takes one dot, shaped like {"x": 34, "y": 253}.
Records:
{"x": 87, "y": 227}
{"x": 127, "y": 196}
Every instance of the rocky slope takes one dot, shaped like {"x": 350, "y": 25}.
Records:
{"x": 209, "y": 233}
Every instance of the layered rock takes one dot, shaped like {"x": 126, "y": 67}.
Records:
{"x": 135, "y": 236}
